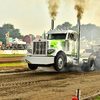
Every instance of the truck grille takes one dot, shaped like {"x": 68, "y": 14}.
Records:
{"x": 39, "y": 47}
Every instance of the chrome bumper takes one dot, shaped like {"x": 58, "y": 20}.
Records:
{"x": 39, "y": 60}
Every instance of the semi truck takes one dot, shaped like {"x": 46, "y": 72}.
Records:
{"x": 61, "y": 50}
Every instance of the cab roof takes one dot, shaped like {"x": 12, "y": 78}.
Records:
{"x": 60, "y": 31}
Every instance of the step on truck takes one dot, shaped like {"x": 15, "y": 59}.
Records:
{"x": 61, "y": 50}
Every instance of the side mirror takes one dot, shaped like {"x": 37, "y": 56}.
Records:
{"x": 46, "y": 35}
{"x": 75, "y": 36}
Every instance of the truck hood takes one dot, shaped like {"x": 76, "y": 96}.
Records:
{"x": 56, "y": 44}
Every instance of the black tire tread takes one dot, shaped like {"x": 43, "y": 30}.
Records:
{"x": 32, "y": 66}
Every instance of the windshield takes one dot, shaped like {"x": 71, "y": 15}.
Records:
{"x": 56, "y": 36}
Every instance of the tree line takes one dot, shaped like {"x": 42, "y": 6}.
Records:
{"x": 89, "y": 31}
{"x": 14, "y": 33}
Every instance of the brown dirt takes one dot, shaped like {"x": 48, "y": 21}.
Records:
{"x": 19, "y": 68}
{"x": 13, "y": 68}
{"x": 41, "y": 85}
{"x": 12, "y": 59}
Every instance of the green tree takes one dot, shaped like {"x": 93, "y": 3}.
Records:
{"x": 65, "y": 25}
{"x": 14, "y": 33}
{"x": 89, "y": 31}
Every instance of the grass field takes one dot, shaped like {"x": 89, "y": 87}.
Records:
{"x": 97, "y": 98}
{"x": 11, "y": 55}
{"x": 12, "y": 64}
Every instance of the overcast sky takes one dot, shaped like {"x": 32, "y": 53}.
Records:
{"x": 32, "y": 17}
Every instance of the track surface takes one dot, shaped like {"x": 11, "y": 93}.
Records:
{"x": 12, "y": 59}
{"x": 41, "y": 85}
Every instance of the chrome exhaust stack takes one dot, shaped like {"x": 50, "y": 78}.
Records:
{"x": 52, "y": 24}
{"x": 78, "y": 51}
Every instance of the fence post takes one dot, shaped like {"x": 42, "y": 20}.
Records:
{"x": 78, "y": 93}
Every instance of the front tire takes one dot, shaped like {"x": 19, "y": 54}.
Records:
{"x": 60, "y": 62}
{"x": 32, "y": 66}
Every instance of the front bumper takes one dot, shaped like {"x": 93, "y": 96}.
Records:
{"x": 39, "y": 60}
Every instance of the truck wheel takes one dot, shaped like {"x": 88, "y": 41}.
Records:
{"x": 91, "y": 64}
{"x": 97, "y": 63}
{"x": 32, "y": 66}
{"x": 60, "y": 62}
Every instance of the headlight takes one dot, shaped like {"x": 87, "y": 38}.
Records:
{"x": 50, "y": 51}
{"x": 29, "y": 50}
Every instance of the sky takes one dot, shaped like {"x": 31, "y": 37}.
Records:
{"x": 32, "y": 16}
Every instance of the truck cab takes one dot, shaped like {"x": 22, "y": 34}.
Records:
{"x": 60, "y": 50}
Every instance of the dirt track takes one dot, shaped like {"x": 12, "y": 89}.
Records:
{"x": 41, "y": 85}
{"x": 12, "y": 59}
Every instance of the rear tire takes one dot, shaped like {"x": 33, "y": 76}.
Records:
{"x": 60, "y": 62}
{"x": 91, "y": 66}
{"x": 32, "y": 66}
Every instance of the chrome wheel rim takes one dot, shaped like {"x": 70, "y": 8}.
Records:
{"x": 60, "y": 63}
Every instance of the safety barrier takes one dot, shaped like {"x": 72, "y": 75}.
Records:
{"x": 13, "y": 51}
{"x": 78, "y": 94}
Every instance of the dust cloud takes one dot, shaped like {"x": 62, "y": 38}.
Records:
{"x": 53, "y": 6}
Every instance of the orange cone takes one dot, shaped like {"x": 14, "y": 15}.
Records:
{"x": 74, "y": 98}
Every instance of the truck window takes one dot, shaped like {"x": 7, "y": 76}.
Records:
{"x": 56, "y": 36}
{"x": 71, "y": 36}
